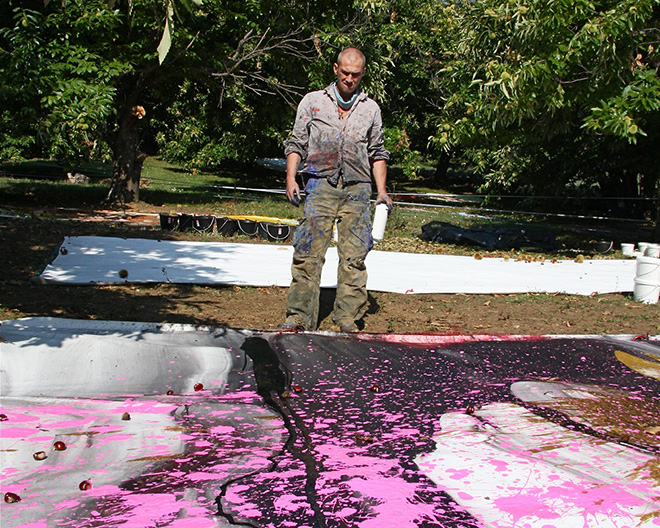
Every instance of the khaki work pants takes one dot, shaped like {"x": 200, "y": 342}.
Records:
{"x": 325, "y": 203}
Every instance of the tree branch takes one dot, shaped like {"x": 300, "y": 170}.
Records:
{"x": 244, "y": 63}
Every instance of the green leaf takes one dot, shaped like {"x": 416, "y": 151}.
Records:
{"x": 166, "y": 40}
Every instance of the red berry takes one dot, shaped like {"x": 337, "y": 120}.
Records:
{"x": 297, "y": 388}
{"x": 59, "y": 446}
{"x": 11, "y": 497}
{"x": 125, "y": 416}
{"x": 40, "y": 455}
{"x": 198, "y": 387}
{"x": 375, "y": 388}
{"x": 3, "y": 418}
{"x": 170, "y": 392}
{"x": 85, "y": 485}
{"x": 469, "y": 409}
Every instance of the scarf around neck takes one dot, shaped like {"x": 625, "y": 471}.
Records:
{"x": 345, "y": 105}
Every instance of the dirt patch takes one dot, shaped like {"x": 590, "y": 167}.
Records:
{"x": 30, "y": 243}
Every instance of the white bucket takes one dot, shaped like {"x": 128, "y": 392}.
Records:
{"x": 648, "y": 269}
{"x": 652, "y": 250}
{"x": 642, "y": 247}
{"x": 380, "y": 219}
{"x": 646, "y": 291}
{"x": 627, "y": 249}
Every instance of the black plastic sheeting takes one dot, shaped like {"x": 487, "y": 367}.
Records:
{"x": 379, "y": 431}
{"x": 488, "y": 237}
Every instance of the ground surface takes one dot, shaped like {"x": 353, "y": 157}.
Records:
{"x": 30, "y": 243}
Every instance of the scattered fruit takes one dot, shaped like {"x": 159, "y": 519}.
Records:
{"x": 375, "y": 388}
{"x": 469, "y": 409}
{"x": 198, "y": 387}
{"x": 363, "y": 437}
{"x": 123, "y": 273}
{"x": 59, "y": 446}
{"x": 40, "y": 455}
{"x": 297, "y": 388}
{"x": 3, "y": 418}
{"x": 125, "y": 416}
{"x": 11, "y": 497}
{"x": 170, "y": 392}
{"x": 85, "y": 485}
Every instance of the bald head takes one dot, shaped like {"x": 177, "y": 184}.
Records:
{"x": 349, "y": 69}
{"x": 352, "y": 54}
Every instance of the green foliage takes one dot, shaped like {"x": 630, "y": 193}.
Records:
{"x": 398, "y": 143}
{"x": 539, "y": 84}
{"x": 65, "y": 95}
{"x": 538, "y": 95}
{"x": 84, "y": 65}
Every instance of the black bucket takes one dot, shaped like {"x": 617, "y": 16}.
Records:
{"x": 185, "y": 222}
{"x": 203, "y": 223}
{"x": 169, "y": 222}
{"x": 275, "y": 232}
{"x": 226, "y": 226}
{"x": 248, "y": 227}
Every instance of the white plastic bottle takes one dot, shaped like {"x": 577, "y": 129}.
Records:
{"x": 380, "y": 220}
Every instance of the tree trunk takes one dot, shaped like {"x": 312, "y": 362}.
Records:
{"x": 127, "y": 164}
{"x": 441, "y": 168}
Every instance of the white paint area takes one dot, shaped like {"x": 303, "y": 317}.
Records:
{"x": 100, "y": 388}
{"x": 511, "y": 468}
{"x": 85, "y": 260}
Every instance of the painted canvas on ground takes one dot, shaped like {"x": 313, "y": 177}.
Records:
{"x": 136, "y": 425}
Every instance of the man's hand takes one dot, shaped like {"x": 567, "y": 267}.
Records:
{"x": 293, "y": 192}
{"x": 384, "y": 198}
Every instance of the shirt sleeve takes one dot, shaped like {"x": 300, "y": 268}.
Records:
{"x": 299, "y": 140}
{"x": 376, "y": 147}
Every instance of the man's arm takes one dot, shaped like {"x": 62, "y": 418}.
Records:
{"x": 292, "y": 187}
{"x": 379, "y": 169}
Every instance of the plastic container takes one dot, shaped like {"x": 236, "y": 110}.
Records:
{"x": 248, "y": 227}
{"x": 648, "y": 269}
{"x": 203, "y": 223}
{"x": 641, "y": 246}
{"x": 275, "y": 232}
{"x": 603, "y": 246}
{"x": 652, "y": 250}
{"x": 169, "y": 222}
{"x": 185, "y": 222}
{"x": 380, "y": 221}
{"x": 646, "y": 291}
{"x": 627, "y": 249}
{"x": 226, "y": 226}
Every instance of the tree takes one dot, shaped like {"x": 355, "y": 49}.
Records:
{"x": 549, "y": 94}
{"x": 91, "y": 70}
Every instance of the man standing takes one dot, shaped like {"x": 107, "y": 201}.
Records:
{"x": 338, "y": 135}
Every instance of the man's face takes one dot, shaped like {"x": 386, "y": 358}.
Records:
{"x": 349, "y": 74}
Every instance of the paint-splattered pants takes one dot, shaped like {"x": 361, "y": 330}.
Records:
{"x": 325, "y": 203}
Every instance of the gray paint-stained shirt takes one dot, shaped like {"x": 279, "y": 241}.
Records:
{"x": 336, "y": 148}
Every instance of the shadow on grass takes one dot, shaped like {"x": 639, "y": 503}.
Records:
{"x": 327, "y": 302}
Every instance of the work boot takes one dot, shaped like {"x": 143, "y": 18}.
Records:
{"x": 291, "y": 326}
{"x": 346, "y": 328}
